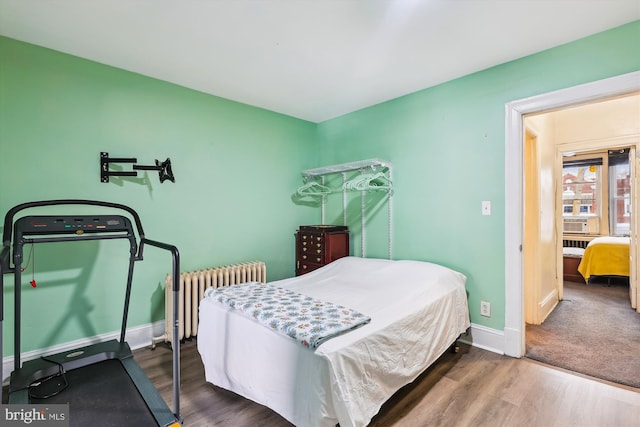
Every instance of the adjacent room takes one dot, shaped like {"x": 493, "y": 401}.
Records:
{"x": 428, "y": 178}
{"x": 596, "y": 294}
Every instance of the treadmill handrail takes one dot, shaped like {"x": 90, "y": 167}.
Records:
{"x": 4, "y": 256}
{"x": 175, "y": 344}
{"x": 8, "y": 219}
{"x": 4, "y": 253}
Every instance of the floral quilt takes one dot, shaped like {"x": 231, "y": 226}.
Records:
{"x": 308, "y": 320}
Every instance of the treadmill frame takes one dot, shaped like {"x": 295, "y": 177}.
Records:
{"x": 36, "y": 369}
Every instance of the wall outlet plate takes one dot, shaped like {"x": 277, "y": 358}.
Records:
{"x": 485, "y": 309}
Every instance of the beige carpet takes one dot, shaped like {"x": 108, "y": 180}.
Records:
{"x": 593, "y": 331}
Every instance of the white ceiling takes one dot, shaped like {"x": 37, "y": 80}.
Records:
{"x": 311, "y": 59}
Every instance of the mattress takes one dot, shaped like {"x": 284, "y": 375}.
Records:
{"x": 417, "y": 311}
{"x": 573, "y": 252}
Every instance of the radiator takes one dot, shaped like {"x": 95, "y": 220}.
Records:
{"x": 192, "y": 287}
{"x": 574, "y": 243}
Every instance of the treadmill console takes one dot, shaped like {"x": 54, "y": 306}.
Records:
{"x": 78, "y": 224}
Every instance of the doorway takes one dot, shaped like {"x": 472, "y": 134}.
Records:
{"x": 570, "y": 186}
{"x": 572, "y": 178}
{"x": 514, "y": 332}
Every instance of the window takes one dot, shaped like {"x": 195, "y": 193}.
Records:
{"x": 582, "y": 187}
{"x": 619, "y": 193}
{"x": 596, "y": 193}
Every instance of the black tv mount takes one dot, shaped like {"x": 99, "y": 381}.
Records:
{"x": 163, "y": 168}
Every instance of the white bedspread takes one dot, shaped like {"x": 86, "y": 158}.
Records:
{"x": 417, "y": 310}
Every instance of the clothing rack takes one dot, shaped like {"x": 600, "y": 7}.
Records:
{"x": 346, "y": 167}
{"x": 361, "y": 165}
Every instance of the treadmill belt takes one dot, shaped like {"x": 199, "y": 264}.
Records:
{"x": 102, "y": 394}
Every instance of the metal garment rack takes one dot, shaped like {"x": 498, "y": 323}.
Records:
{"x": 343, "y": 168}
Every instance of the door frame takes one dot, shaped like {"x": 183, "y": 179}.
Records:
{"x": 531, "y": 227}
{"x": 514, "y": 331}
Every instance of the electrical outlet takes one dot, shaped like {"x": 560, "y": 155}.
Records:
{"x": 485, "y": 309}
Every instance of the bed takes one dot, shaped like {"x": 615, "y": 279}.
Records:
{"x": 417, "y": 311}
{"x": 606, "y": 256}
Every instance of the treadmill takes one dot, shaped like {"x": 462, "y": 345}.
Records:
{"x": 102, "y": 383}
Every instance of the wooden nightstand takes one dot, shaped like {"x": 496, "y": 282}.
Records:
{"x": 318, "y": 245}
{"x": 571, "y": 258}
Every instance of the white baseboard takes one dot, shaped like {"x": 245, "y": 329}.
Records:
{"x": 137, "y": 337}
{"x": 485, "y": 338}
{"x": 480, "y": 336}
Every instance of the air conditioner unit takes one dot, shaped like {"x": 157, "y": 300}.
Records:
{"x": 581, "y": 225}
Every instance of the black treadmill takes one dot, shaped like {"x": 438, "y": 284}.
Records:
{"x": 102, "y": 383}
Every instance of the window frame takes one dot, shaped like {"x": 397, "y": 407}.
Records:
{"x": 614, "y": 198}
{"x": 600, "y": 194}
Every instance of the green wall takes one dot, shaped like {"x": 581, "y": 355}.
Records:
{"x": 447, "y": 146}
{"x": 237, "y": 166}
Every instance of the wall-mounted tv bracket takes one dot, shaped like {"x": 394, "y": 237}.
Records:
{"x": 163, "y": 168}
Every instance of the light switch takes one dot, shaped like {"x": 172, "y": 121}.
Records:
{"x": 486, "y": 207}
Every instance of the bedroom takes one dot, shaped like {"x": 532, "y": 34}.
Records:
{"x": 235, "y": 181}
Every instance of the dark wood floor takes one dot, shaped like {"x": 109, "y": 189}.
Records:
{"x": 471, "y": 388}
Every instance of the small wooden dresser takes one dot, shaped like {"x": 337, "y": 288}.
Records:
{"x": 318, "y": 245}
{"x": 571, "y": 258}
